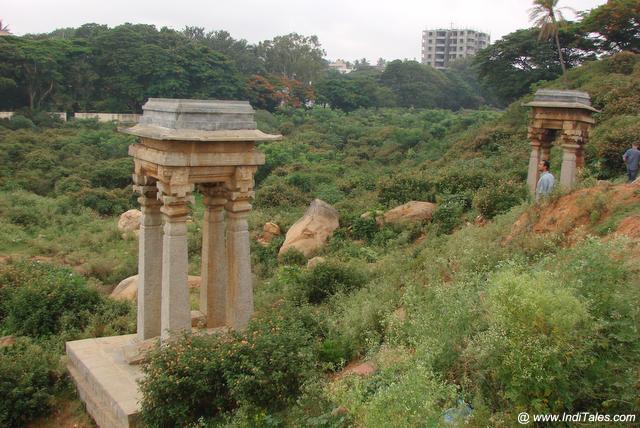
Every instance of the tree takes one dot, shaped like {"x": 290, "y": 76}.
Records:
{"x": 4, "y": 28}
{"x": 240, "y": 51}
{"x": 349, "y": 92}
{"x": 547, "y": 17}
{"x": 418, "y": 85}
{"x": 138, "y": 61}
{"x": 511, "y": 65}
{"x": 294, "y": 56}
{"x": 34, "y": 66}
{"x": 616, "y": 24}
{"x": 361, "y": 64}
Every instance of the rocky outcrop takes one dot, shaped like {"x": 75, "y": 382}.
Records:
{"x": 6, "y": 341}
{"x": 315, "y": 262}
{"x": 269, "y": 231}
{"x": 312, "y": 230}
{"x": 128, "y": 287}
{"x": 129, "y": 223}
{"x": 411, "y": 212}
{"x": 379, "y": 215}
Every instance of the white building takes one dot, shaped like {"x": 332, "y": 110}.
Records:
{"x": 340, "y": 66}
{"x": 440, "y": 46}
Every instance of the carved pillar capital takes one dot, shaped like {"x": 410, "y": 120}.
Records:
{"x": 240, "y": 190}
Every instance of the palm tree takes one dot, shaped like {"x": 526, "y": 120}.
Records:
{"x": 547, "y": 16}
{"x": 4, "y": 28}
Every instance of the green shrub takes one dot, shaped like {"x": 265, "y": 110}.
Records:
{"x": 608, "y": 143}
{"x": 405, "y": 395}
{"x": 113, "y": 174}
{"x": 336, "y": 351}
{"x": 185, "y": 381}
{"x": 41, "y": 299}
{"x": 112, "y": 318}
{"x": 447, "y": 216}
{"x": 400, "y": 189}
{"x": 30, "y": 377}
{"x": 536, "y": 346}
{"x": 20, "y": 122}
{"x": 365, "y": 228}
{"x": 71, "y": 184}
{"x": 266, "y": 258}
{"x": 279, "y": 194}
{"x": 106, "y": 202}
{"x": 293, "y": 257}
{"x": 493, "y": 200}
{"x": 274, "y": 357}
{"x": 599, "y": 275}
{"x": 204, "y": 376}
{"x": 460, "y": 179}
{"x": 327, "y": 279}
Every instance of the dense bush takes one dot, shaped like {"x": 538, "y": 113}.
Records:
{"x": 204, "y": 376}
{"x": 536, "y": 344}
{"x": 608, "y": 143}
{"x": 30, "y": 377}
{"x": 401, "y": 189}
{"x": 447, "y": 215}
{"x": 293, "y": 257}
{"x": 40, "y": 299}
{"x": 493, "y": 200}
{"x": 327, "y": 279}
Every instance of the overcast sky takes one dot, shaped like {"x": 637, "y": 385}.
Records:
{"x": 347, "y": 29}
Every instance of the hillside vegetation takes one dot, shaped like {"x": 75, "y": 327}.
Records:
{"x": 495, "y": 304}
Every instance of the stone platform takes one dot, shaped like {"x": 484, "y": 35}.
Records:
{"x": 106, "y": 382}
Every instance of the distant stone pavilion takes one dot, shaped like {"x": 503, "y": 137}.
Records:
{"x": 183, "y": 144}
{"x": 563, "y": 116}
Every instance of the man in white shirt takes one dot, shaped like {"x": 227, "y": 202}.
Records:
{"x": 546, "y": 181}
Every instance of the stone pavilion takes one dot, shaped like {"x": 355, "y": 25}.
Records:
{"x": 564, "y": 117}
{"x": 184, "y": 146}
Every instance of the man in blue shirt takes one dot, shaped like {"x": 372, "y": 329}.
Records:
{"x": 546, "y": 181}
{"x": 631, "y": 158}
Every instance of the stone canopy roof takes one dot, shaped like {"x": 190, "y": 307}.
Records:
{"x": 198, "y": 120}
{"x": 561, "y": 99}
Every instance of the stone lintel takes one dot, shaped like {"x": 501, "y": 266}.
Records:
{"x": 561, "y": 105}
{"x": 178, "y": 159}
{"x": 223, "y": 135}
{"x": 562, "y": 114}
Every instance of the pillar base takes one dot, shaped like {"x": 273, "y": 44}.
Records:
{"x": 106, "y": 383}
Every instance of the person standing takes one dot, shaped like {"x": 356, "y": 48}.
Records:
{"x": 631, "y": 158}
{"x": 546, "y": 181}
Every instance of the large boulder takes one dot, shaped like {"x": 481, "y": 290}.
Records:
{"x": 311, "y": 231}
{"x": 129, "y": 223}
{"x": 6, "y": 341}
{"x": 411, "y": 212}
{"x": 269, "y": 231}
{"x": 128, "y": 287}
{"x": 315, "y": 262}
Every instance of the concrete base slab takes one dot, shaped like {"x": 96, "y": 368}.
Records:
{"x": 106, "y": 383}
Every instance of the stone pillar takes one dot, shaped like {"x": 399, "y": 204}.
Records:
{"x": 568, "y": 173}
{"x": 545, "y": 147}
{"x": 239, "y": 281}
{"x": 213, "y": 290}
{"x": 176, "y": 308}
{"x": 149, "y": 259}
{"x": 580, "y": 157}
{"x": 534, "y": 160}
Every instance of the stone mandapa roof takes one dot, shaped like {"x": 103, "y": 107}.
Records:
{"x": 561, "y": 99}
{"x": 198, "y": 120}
